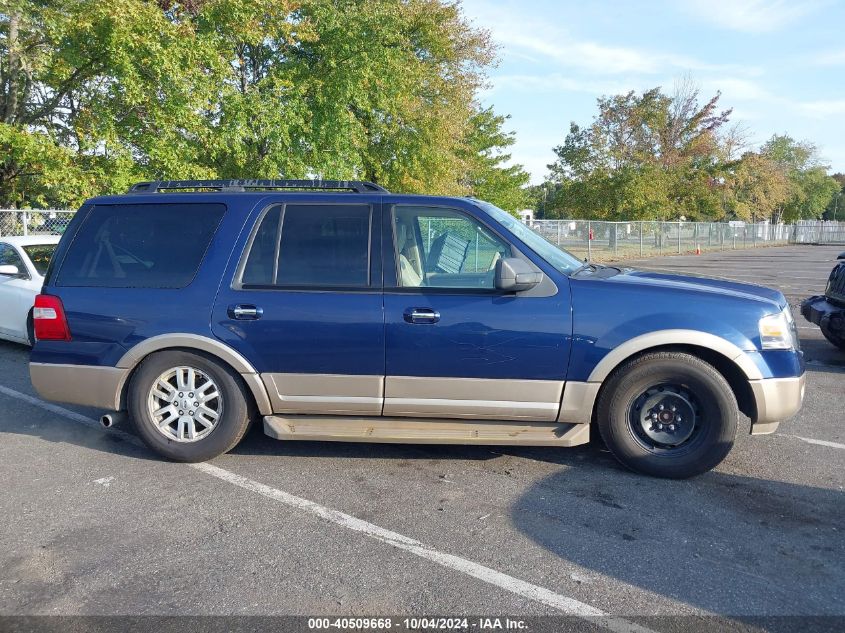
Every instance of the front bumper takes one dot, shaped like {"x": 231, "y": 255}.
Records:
{"x": 828, "y": 316}
{"x": 776, "y": 399}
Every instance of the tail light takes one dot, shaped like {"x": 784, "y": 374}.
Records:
{"x": 49, "y": 319}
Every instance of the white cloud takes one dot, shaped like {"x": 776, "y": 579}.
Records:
{"x": 524, "y": 35}
{"x": 557, "y": 82}
{"x": 736, "y": 89}
{"x": 822, "y": 107}
{"x": 553, "y": 67}
{"x": 752, "y": 16}
{"x": 830, "y": 58}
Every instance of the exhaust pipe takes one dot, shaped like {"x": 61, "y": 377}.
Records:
{"x": 108, "y": 420}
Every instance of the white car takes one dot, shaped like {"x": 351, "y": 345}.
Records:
{"x": 23, "y": 264}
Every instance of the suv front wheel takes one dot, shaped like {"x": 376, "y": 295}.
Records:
{"x": 187, "y": 407}
{"x": 668, "y": 414}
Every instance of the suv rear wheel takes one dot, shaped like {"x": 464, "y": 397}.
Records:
{"x": 187, "y": 407}
{"x": 668, "y": 414}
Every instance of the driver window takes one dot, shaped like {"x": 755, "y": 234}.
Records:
{"x": 440, "y": 248}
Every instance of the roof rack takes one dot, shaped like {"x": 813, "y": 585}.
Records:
{"x": 160, "y": 186}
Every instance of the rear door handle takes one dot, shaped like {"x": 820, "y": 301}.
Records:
{"x": 245, "y": 312}
{"x": 421, "y": 315}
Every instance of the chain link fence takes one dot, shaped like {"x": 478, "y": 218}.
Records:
{"x": 596, "y": 240}
{"x": 818, "y": 232}
{"x": 34, "y": 221}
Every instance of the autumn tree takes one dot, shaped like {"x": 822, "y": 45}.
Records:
{"x": 757, "y": 188}
{"x": 644, "y": 156}
{"x": 655, "y": 156}
{"x": 810, "y": 189}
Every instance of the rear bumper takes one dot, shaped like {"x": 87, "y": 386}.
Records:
{"x": 828, "y": 316}
{"x": 87, "y": 385}
{"x": 776, "y": 399}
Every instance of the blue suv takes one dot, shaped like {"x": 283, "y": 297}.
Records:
{"x": 340, "y": 311}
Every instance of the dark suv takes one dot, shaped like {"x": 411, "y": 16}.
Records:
{"x": 828, "y": 310}
{"x": 340, "y": 311}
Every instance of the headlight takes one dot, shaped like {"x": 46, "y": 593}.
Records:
{"x": 777, "y": 331}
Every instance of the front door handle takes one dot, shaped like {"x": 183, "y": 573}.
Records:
{"x": 421, "y": 315}
{"x": 245, "y": 312}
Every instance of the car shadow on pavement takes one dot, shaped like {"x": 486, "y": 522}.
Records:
{"x": 60, "y": 431}
{"x": 720, "y": 542}
{"x": 822, "y": 355}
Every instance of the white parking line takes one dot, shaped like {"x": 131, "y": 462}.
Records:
{"x": 564, "y": 604}
{"x": 810, "y": 440}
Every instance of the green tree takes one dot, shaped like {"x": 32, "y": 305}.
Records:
{"x": 93, "y": 95}
{"x": 836, "y": 207}
{"x": 757, "y": 187}
{"x": 810, "y": 188}
{"x": 487, "y": 174}
{"x": 96, "y": 95}
{"x": 645, "y": 156}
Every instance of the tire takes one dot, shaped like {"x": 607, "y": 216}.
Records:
{"x": 838, "y": 341}
{"x": 182, "y": 431}
{"x": 635, "y": 414}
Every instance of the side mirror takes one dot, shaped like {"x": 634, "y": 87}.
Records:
{"x": 9, "y": 270}
{"x": 515, "y": 275}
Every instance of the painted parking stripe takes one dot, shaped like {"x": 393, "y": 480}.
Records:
{"x": 560, "y": 602}
{"x": 810, "y": 440}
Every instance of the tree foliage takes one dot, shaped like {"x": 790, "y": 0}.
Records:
{"x": 810, "y": 188}
{"x": 756, "y": 188}
{"x": 487, "y": 174}
{"x": 644, "y": 156}
{"x": 664, "y": 157}
{"x": 94, "y": 95}
{"x": 836, "y": 207}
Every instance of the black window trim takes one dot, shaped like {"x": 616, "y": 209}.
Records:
{"x": 439, "y": 290}
{"x": 237, "y": 282}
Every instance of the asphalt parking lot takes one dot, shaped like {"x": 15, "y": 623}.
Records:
{"x": 95, "y": 524}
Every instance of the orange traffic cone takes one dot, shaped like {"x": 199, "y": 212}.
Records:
{"x": 697, "y": 249}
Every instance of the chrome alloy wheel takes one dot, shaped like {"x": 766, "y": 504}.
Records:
{"x": 185, "y": 404}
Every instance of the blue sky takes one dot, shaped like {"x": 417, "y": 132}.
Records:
{"x": 780, "y": 64}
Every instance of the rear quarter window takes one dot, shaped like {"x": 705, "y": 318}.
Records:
{"x": 140, "y": 245}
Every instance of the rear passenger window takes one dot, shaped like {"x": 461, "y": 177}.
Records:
{"x": 140, "y": 245}
{"x": 316, "y": 246}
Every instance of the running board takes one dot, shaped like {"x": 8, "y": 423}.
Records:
{"x": 424, "y": 431}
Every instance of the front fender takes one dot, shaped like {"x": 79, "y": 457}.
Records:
{"x": 662, "y": 338}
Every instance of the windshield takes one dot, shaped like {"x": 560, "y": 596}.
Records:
{"x": 560, "y": 259}
{"x": 39, "y": 255}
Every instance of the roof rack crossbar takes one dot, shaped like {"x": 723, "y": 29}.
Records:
{"x": 160, "y": 186}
